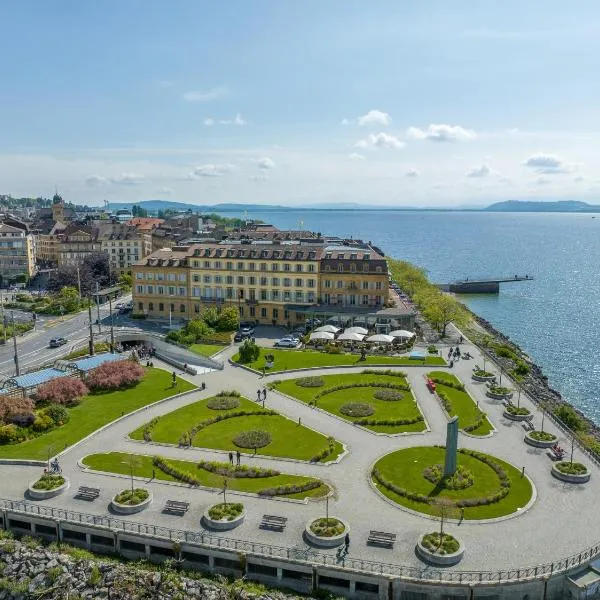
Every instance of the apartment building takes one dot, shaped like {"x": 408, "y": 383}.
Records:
{"x": 125, "y": 245}
{"x": 17, "y": 253}
{"x": 48, "y": 244}
{"x": 78, "y": 242}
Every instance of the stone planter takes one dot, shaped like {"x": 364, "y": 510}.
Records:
{"x": 222, "y": 525}
{"x": 493, "y": 396}
{"x": 539, "y": 443}
{"x": 126, "y": 509}
{"x": 45, "y": 494}
{"x": 439, "y": 560}
{"x": 512, "y": 417}
{"x": 482, "y": 379}
{"x": 326, "y": 542}
{"x": 570, "y": 478}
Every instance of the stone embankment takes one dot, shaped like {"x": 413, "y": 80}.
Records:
{"x": 29, "y": 570}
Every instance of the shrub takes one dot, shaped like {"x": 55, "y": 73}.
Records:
{"x": 225, "y": 512}
{"x": 229, "y": 393}
{"x": 62, "y": 390}
{"x": 59, "y": 414}
{"x": 48, "y": 482}
{"x": 11, "y": 407}
{"x": 389, "y": 422}
{"x": 448, "y": 383}
{"x": 253, "y": 438}
{"x": 521, "y": 369}
{"x": 327, "y": 527}
{"x": 542, "y": 436}
{"x": 229, "y": 319}
{"x": 284, "y": 490}
{"x": 447, "y": 544}
{"x": 237, "y": 471}
{"x": 388, "y": 372}
{"x": 569, "y": 468}
{"x": 388, "y": 395}
{"x": 326, "y": 451}
{"x": 249, "y": 352}
{"x": 175, "y": 472}
{"x": 230, "y": 415}
{"x": 568, "y": 415}
{"x": 332, "y": 349}
{"x": 8, "y": 434}
{"x": 42, "y": 422}
{"x": 432, "y": 349}
{"x": 517, "y": 410}
{"x": 148, "y": 427}
{"x": 356, "y": 409}
{"x": 499, "y": 390}
{"x": 115, "y": 375}
{"x": 462, "y": 478}
{"x": 310, "y": 382}
{"x": 132, "y": 498}
{"x": 223, "y": 402}
{"x": 482, "y": 373}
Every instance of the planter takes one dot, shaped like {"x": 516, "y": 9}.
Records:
{"x": 495, "y": 396}
{"x": 223, "y": 524}
{"x": 45, "y": 494}
{"x": 326, "y": 542}
{"x": 439, "y": 560}
{"x": 571, "y": 477}
{"x": 483, "y": 378}
{"x": 129, "y": 509}
{"x": 539, "y": 443}
{"x": 512, "y": 417}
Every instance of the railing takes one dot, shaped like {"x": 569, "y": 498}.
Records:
{"x": 306, "y": 555}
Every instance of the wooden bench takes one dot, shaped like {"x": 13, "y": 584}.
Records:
{"x": 87, "y": 493}
{"x": 273, "y": 522}
{"x": 381, "y": 538}
{"x": 175, "y": 506}
{"x": 528, "y": 425}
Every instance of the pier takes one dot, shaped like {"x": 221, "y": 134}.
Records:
{"x": 490, "y": 285}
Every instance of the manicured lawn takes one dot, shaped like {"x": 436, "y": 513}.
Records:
{"x": 116, "y": 462}
{"x": 406, "y": 408}
{"x": 286, "y": 360}
{"x": 206, "y": 349}
{"x": 462, "y": 404}
{"x": 96, "y": 410}
{"x": 405, "y": 468}
{"x": 289, "y": 439}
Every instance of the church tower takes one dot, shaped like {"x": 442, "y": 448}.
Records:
{"x": 58, "y": 209}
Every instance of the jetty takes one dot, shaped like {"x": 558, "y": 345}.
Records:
{"x": 490, "y": 285}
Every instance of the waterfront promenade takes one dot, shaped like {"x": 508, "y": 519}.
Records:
{"x": 554, "y": 526}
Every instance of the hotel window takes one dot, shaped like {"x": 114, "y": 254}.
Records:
{"x": 141, "y": 305}
{"x": 141, "y": 275}
{"x": 340, "y": 284}
{"x": 240, "y": 266}
{"x": 275, "y": 295}
{"x": 218, "y": 279}
{"x": 229, "y": 279}
{"x": 252, "y": 280}
{"x": 171, "y": 277}
{"x": 287, "y": 267}
{"x": 299, "y": 268}
{"x": 286, "y": 296}
{"x": 378, "y": 269}
{"x": 182, "y": 308}
{"x": 365, "y": 299}
{"x": 366, "y": 267}
{"x": 181, "y": 277}
{"x": 171, "y": 290}
{"x": 340, "y": 267}
{"x": 311, "y": 297}
{"x": 207, "y": 278}
{"x": 311, "y": 268}
{"x": 240, "y": 280}
{"x": 150, "y": 305}
{"x": 172, "y": 307}
{"x": 263, "y": 267}
{"x": 377, "y": 299}
{"x": 299, "y": 283}
{"x": 229, "y": 293}
{"x": 182, "y": 291}
{"x": 378, "y": 285}
{"x": 327, "y": 298}
{"x": 327, "y": 283}
{"x": 352, "y": 299}
{"x": 229, "y": 266}
{"x": 161, "y": 307}
{"x": 352, "y": 268}
{"x": 263, "y": 294}
{"x": 140, "y": 289}
{"x": 160, "y": 277}
{"x": 275, "y": 281}
{"x": 196, "y": 292}
{"x": 310, "y": 283}
{"x": 264, "y": 281}
{"x": 252, "y": 311}
{"x": 287, "y": 282}
{"x": 196, "y": 308}
{"x": 161, "y": 290}
{"x": 151, "y": 289}
{"x": 275, "y": 313}
{"x": 217, "y": 264}
{"x": 252, "y": 267}
{"x": 274, "y": 267}
{"x": 263, "y": 313}
{"x": 196, "y": 277}
{"x": 365, "y": 285}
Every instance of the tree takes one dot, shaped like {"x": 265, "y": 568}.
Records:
{"x": 125, "y": 281}
{"x": 229, "y": 319}
{"x": 63, "y": 390}
{"x": 210, "y": 315}
{"x": 115, "y": 375}
{"x": 138, "y": 211}
{"x": 444, "y": 508}
{"x": 11, "y": 407}
{"x": 249, "y": 352}
{"x": 68, "y": 298}
{"x": 442, "y": 310}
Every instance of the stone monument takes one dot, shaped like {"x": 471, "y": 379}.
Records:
{"x": 451, "y": 447}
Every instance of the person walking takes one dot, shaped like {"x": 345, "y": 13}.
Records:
{"x": 347, "y": 543}
{"x": 231, "y": 458}
{"x": 264, "y": 394}
{"x": 258, "y": 394}
{"x": 238, "y": 456}
{"x": 174, "y": 379}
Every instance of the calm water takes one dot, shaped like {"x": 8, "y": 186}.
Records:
{"x": 555, "y": 318}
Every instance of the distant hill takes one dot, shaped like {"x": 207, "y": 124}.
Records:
{"x": 563, "y": 206}
{"x": 156, "y": 205}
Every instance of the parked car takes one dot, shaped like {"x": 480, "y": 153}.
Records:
{"x": 240, "y": 336}
{"x": 313, "y": 322}
{"x": 57, "y": 342}
{"x": 120, "y": 305}
{"x": 247, "y": 327}
{"x": 288, "y": 341}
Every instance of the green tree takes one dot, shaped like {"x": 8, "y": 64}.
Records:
{"x": 68, "y": 298}
{"x": 249, "y": 352}
{"x": 125, "y": 281}
{"x": 229, "y": 319}
{"x": 199, "y": 329}
{"x": 210, "y": 315}
{"x": 441, "y": 310}
{"x": 138, "y": 211}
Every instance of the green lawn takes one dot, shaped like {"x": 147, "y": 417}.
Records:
{"x": 406, "y": 408}
{"x": 462, "y": 404}
{"x": 116, "y": 462}
{"x": 206, "y": 349}
{"x": 289, "y": 439}
{"x": 96, "y": 410}
{"x": 405, "y": 469}
{"x": 286, "y": 360}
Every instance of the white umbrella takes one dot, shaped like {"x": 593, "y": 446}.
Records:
{"x": 321, "y": 335}
{"x": 380, "y": 338}
{"x": 360, "y": 330}
{"x": 402, "y": 333}
{"x": 351, "y": 336}
{"x": 327, "y": 329}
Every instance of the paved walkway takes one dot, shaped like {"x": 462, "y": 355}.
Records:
{"x": 541, "y": 534}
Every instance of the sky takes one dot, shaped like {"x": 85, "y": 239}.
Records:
{"x": 430, "y": 103}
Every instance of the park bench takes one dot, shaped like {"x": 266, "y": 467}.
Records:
{"x": 528, "y": 425}
{"x": 556, "y": 452}
{"x": 273, "y": 522}
{"x": 175, "y": 506}
{"x": 87, "y": 493}
{"x": 381, "y": 538}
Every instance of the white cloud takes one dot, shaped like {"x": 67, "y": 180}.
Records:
{"x": 95, "y": 181}
{"x": 265, "y": 163}
{"x": 209, "y": 122}
{"x": 237, "y": 121}
{"x": 356, "y": 156}
{"x": 201, "y": 96}
{"x": 128, "y": 179}
{"x": 548, "y": 164}
{"x": 441, "y": 133}
{"x": 380, "y": 140}
{"x": 345, "y": 122}
{"x": 481, "y": 171}
{"x": 411, "y": 172}
{"x": 375, "y": 117}
{"x": 210, "y": 171}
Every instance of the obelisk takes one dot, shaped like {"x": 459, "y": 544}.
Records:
{"x": 451, "y": 447}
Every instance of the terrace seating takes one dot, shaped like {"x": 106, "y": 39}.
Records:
{"x": 273, "y": 522}
{"x": 381, "y": 538}
{"x": 556, "y": 452}
{"x": 87, "y": 493}
{"x": 528, "y": 425}
{"x": 175, "y": 506}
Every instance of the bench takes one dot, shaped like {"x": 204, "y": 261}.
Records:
{"x": 273, "y": 522}
{"x": 87, "y": 493}
{"x": 528, "y": 425}
{"x": 381, "y": 538}
{"x": 175, "y": 506}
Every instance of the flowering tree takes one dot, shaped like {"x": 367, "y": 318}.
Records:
{"x": 115, "y": 375}
{"x": 63, "y": 390}
{"x": 11, "y": 407}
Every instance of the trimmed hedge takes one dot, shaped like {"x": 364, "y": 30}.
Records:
{"x": 176, "y": 473}
{"x": 461, "y": 480}
{"x": 388, "y": 395}
{"x": 253, "y": 438}
{"x": 223, "y": 402}
{"x": 388, "y": 372}
{"x": 290, "y": 488}
{"x": 239, "y": 413}
{"x": 148, "y": 427}
{"x": 356, "y": 409}
{"x": 310, "y": 382}
{"x": 372, "y": 384}
{"x": 238, "y": 471}
{"x": 453, "y": 384}
{"x": 330, "y": 449}
{"x": 390, "y": 422}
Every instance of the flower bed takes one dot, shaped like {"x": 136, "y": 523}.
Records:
{"x": 128, "y": 502}
{"x": 540, "y": 439}
{"x": 516, "y": 413}
{"x": 462, "y": 478}
{"x": 224, "y": 516}
{"x": 254, "y": 438}
{"x": 223, "y": 402}
{"x": 47, "y": 486}
{"x": 237, "y": 471}
{"x": 310, "y": 382}
{"x": 388, "y": 395}
{"x": 444, "y": 553}
{"x": 497, "y": 392}
{"x": 481, "y": 375}
{"x": 327, "y": 533}
{"x": 356, "y": 409}
{"x": 571, "y": 472}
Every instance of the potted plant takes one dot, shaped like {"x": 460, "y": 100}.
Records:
{"x": 327, "y": 531}
{"x": 224, "y": 515}
{"x": 439, "y": 547}
{"x": 540, "y": 438}
{"x": 47, "y": 486}
{"x": 132, "y": 500}
{"x": 518, "y": 412}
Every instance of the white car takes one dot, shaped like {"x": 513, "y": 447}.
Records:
{"x": 287, "y": 342}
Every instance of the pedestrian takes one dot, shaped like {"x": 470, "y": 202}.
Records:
{"x": 299, "y": 421}
{"x": 263, "y": 371}
{"x": 238, "y": 456}
{"x": 264, "y": 394}
{"x": 460, "y": 340}
{"x": 231, "y": 458}
{"x": 174, "y": 379}
{"x": 462, "y": 514}
{"x": 153, "y": 473}
{"x": 451, "y": 364}
{"x": 258, "y": 394}
{"x": 347, "y": 543}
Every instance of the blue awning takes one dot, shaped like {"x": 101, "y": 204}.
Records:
{"x": 91, "y": 362}
{"x": 34, "y": 379}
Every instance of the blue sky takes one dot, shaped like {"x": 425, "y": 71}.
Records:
{"x": 406, "y": 104}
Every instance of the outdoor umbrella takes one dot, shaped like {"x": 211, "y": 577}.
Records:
{"x": 402, "y": 333}
{"x": 351, "y": 336}
{"x": 380, "y": 338}
{"x": 327, "y": 329}
{"x": 321, "y": 335}
{"x": 360, "y": 330}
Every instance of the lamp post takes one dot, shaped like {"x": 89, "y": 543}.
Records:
{"x": 16, "y": 358}
{"x": 98, "y": 306}
{"x": 91, "y": 340}
{"x": 112, "y": 325}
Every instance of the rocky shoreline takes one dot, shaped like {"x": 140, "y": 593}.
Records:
{"x": 30, "y": 570}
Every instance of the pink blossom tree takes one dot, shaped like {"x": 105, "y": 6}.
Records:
{"x": 63, "y": 390}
